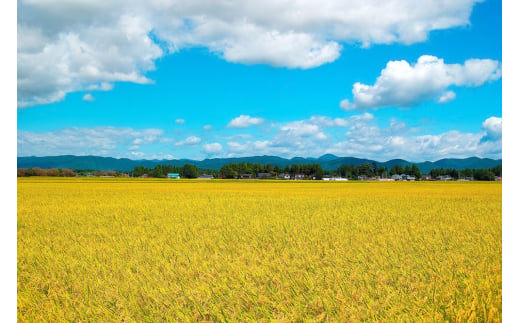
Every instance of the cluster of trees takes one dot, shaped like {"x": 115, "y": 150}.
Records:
{"x": 407, "y": 170}
{"x": 476, "y": 174}
{"x": 233, "y": 170}
{"x": 63, "y": 172}
{"x": 24, "y": 172}
{"x": 161, "y": 171}
{"x": 372, "y": 170}
{"x": 366, "y": 170}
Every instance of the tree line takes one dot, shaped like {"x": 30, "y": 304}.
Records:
{"x": 234, "y": 170}
{"x": 476, "y": 174}
{"x": 64, "y": 172}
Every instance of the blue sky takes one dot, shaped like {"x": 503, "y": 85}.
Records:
{"x": 172, "y": 80}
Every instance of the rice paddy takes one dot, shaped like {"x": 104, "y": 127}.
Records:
{"x": 150, "y": 250}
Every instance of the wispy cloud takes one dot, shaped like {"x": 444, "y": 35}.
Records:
{"x": 359, "y": 135}
{"x": 191, "y": 140}
{"x": 212, "y": 148}
{"x": 363, "y": 138}
{"x": 102, "y": 141}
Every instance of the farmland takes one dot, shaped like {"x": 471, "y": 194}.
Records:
{"x": 180, "y": 250}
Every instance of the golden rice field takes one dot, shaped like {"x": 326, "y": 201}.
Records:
{"x": 144, "y": 250}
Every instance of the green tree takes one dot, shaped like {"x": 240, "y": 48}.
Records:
{"x": 394, "y": 170}
{"x": 190, "y": 171}
{"x": 318, "y": 171}
{"x": 416, "y": 172}
{"x": 157, "y": 172}
{"x": 138, "y": 171}
{"x": 382, "y": 171}
{"x": 228, "y": 172}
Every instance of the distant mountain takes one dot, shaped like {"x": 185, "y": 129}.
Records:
{"x": 327, "y": 162}
{"x": 328, "y": 157}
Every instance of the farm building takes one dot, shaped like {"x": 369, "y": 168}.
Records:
{"x": 174, "y": 175}
{"x": 334, "y": 178}
{"x": 206, "y": 176}
{"x": 284, "y": 176}
{"x": 263, "y": 175}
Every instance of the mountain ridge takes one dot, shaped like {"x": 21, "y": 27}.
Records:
{"x": 327, "y": 162}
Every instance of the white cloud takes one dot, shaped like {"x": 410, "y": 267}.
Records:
{"x": 101, "y": 141}
{"x": 493, "y": 129}
{"x": 103, "y": 86}
{"x": 179, "y": 121}
{"x": 235, "y": 137}
{"x": 401, "y": 84}
{"x": 299, "y": 129}
{"x": 137, "y": 154}
{"x": 207, "y": 127}
{"x": 66, "y": 46}
{"x": 329, "y": 122}
{"x": 363, "y": 138}
{"x": 447, "y": 97}
{"x": 88, "y": 97}
{"x": 296, "y": 138}
{"x": 212, "y": 148}
{"x": 244, "y": 121}
{"x": 77, "y": 57}
{"x": 358, "y": 136}
{"x": 191, "y": 140}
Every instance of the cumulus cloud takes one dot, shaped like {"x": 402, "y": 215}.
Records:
{"x": 179, "y": 121}
{"x": 100, "y": 141}
{"x": 493, "y": 129}
{"x": 76, "y": 57}
{"x": 191, "y": 140}
{"x": 207, "y": 127}
{"x": 212, "y": 148}
{"x": 244, "y": 121}
{"x": 401, "y": 84}
{"x": 88, "y": 97}
{"x": 66, "y": 46}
